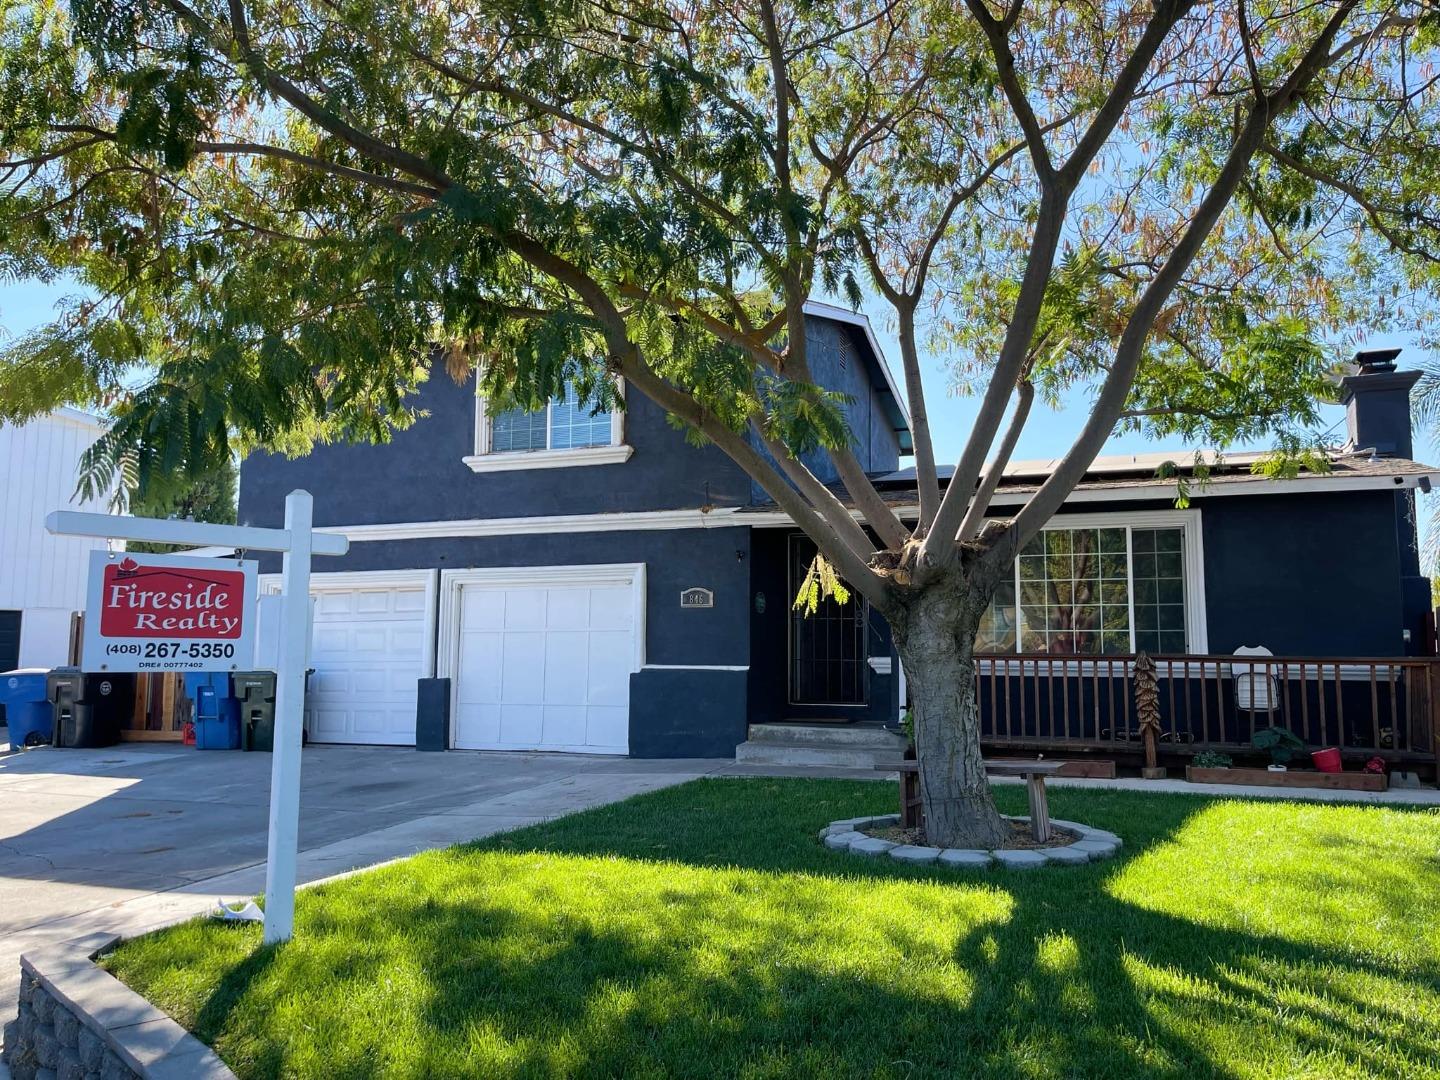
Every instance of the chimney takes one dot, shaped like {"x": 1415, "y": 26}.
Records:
{"x": 1377, "y": 404}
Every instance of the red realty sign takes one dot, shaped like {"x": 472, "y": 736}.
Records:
{"x": 169, "y": 613}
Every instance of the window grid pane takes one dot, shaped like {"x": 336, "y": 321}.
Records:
{"x": 516, "y": 429}
{"x": 566, "y": 424}
{"x": 571, "y": 424}
{"x": 1080, "y": 590}
{"x": 1159, "y": 591}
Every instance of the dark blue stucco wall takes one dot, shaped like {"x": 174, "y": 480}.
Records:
{"x": 877, "y": 446}
{"x": 716, "y": 559}
{"x": 1306, "y": 575}
{"x": 420, "y": 474}
{"x": 687, "y": 713}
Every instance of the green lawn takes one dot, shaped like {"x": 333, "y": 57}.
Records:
{"x": 703, "y": 931}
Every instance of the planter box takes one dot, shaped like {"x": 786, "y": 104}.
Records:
{"x": 1292, "y": 778}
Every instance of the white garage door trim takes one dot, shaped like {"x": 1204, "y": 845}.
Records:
{"x": 628, "y": 575}
{"x": 345, "y": 580}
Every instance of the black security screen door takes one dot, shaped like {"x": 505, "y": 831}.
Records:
{"x": 827, "y": 649}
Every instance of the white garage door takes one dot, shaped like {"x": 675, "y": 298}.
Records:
{"x": 545, "y": 663}
{"x": 368, "y": 650}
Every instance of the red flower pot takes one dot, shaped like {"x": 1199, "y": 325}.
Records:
{"x": 1327, "y": 760}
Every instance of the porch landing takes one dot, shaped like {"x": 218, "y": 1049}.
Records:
{"x": 833, "y": 746}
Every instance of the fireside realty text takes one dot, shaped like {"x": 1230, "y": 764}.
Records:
{"x": 169, "y": 613}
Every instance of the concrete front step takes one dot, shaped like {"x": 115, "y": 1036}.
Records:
{"x": 819, "y": 757}
{"x": 829, "y": 736}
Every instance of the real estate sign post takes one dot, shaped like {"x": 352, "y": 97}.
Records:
{"x": 147, "y": 612}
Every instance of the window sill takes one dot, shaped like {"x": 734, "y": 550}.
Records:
{"x": 549, "y": 459}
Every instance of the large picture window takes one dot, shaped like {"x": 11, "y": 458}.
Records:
{"x": 1103, "y": 589}
{"x": 565, "y": 432}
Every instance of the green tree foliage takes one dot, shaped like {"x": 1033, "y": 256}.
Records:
{"x": 210, "y": 499}
{"x": 288, "y": 215}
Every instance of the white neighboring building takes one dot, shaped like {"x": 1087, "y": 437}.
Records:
{"x": 42, "y": 577}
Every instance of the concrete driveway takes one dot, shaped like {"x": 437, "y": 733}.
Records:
{"x": 138, "y": 835}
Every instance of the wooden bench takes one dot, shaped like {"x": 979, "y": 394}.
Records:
{"x": 1034, "y": 773}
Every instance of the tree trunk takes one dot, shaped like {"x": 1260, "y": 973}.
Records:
{"x": 936, "y": 641}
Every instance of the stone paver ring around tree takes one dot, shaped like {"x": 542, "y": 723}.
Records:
{"x": 1093, "y": 845}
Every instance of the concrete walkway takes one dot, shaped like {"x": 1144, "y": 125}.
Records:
{"x": 137, "y": 836}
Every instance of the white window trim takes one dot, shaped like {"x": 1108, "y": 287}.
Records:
{"x": 452, "y": 581}
{"x": 485, "y": 460}
{"x": 1192, "y": 550}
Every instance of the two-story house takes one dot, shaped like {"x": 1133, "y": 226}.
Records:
{"x": 594, "y": 583}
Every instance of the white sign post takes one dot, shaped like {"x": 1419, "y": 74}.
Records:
{"x": 298, "y": 543}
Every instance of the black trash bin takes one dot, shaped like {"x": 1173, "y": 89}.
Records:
{"x": 89, "y": 709}
{"x": 256, "y": 691}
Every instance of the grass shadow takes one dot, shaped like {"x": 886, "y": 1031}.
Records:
{"x": 704, "y": 931}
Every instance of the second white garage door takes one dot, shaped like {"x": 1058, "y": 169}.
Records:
{"x": 368, "y": 649}
{"x": 542, "y": 657}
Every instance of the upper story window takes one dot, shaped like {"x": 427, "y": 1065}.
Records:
{"x": 1113, "y": 587}
{"x": 566, "y": 432}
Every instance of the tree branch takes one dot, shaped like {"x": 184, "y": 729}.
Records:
{"x": 1167, "y": 14}
{"x": 980, "y": 504}
{"x": 836, "y": 514}
{"x": 1115, "y": 390}
{"x": 940, "y": 544}
{"x": 997, "y": 35}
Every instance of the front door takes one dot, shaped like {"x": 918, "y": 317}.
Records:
{"x": 827, "y": 649}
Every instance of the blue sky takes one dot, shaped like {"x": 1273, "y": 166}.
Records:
{"x": 1048, "y": 434}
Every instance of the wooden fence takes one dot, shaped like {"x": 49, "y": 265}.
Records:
{"x": 1386, "y": 707}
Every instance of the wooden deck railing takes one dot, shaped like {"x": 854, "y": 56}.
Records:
{"x": 1382, "y": 706}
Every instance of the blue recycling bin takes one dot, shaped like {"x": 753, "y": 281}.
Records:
{"x": 217, "y": 710}
{"x": 27, "y": 707}
{"x": 217, "y": 720}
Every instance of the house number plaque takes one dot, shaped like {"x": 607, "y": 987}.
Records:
{"x": 697, "y": 598}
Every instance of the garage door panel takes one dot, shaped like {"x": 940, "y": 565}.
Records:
{"x": 522, "y": 675}
{"x": 368, "y": 641}
{"x": 563, "y": 725}
{"x": 373, "y": 603}
{"x": 567, "y": 609}
{"x": 407, "y": 643}
{"x": 544, "y": 667}
{"x": 369, "y": 681}
{"x": 477, "y": 726}
{"x": 525, "y": 609}
{"x": 409, "y": 602}
{"x": 330, "y": 639}
{"x": 368, "y": 650}
{"x": 611, "y": 609}
{"x": 566, "y": 652}
{"x": 520, "y": 725}
{"x": 328, "y": 604}
{"x": 609, "y": 659}
{"x": 480, "y": 660}
{"x": 608, "y": 727}
{"x": 328, "y": 722}
{"x": 482, "y": 609}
